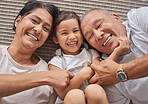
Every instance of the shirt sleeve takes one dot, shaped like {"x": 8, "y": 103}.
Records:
{"x": 94, "y": 54}
{"x": 56, "y": 61}
{"x": 139, "y": 17}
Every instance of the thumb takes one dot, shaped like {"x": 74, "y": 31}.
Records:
{"x": 71, "y": 75}
{"x": 86, "y": 64}
{"x": 94, "y": 67}
{"x": 94, "y": 78}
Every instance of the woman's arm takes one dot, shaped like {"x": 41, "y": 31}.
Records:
{"x": 11, "y": 84}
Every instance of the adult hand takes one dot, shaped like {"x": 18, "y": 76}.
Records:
{"x": 60, "y": 78}
{"x": 105, "y": 73}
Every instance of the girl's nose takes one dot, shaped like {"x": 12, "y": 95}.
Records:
{"x": 72, "y": 36}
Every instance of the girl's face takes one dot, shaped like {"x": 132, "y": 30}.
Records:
{"x": 69, "y": 36}
{"x": 33, "y": 29}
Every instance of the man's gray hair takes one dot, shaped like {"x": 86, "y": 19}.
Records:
{"x": 97, "y": 9}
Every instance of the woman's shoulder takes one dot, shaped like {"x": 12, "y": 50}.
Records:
{"x": 3, "y": 48}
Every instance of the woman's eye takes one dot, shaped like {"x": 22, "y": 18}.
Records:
{"x": 34, "y": 21}
{"x": 46, "y": 29}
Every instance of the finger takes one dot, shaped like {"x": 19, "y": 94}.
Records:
{"x": 94, "y": 67}
{"x": 93, "y": 79}
{"x": 71, "y": 75}
{"x": 99, "y": 82}
{"x": 86, "y": 64}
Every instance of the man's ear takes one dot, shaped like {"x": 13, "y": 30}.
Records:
{"x": 17, "y": 20}
{"x": 55, "y": 40}
{"x": 117, "y": 17}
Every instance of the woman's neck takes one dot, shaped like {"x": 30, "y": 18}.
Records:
{"x": 22, "y": 57}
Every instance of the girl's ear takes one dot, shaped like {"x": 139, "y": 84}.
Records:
{"x": 17, "y": 20}
{"x": 117, "y": 17}
{"x": 55, "y": 40}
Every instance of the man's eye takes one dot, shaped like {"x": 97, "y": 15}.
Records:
{"x": 90, "y": 37}
{"x": 99, "y": 25}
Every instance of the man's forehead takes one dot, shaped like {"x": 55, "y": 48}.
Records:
{"x": 93, "y": 16}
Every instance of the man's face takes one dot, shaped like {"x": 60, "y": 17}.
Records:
{"x": 102, "y": 30}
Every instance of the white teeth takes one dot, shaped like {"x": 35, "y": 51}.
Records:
{"x": 32, "y": 36}
{"x": 107, "y": 40}
{"x": 72, "y": 43}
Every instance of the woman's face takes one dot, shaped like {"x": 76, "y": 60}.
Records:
{"x": 33, "y": 29}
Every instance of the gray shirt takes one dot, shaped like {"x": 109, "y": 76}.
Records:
{"x": 137, "y": 32}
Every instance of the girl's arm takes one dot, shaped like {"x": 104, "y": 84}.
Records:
{"x": 85, "y": 73}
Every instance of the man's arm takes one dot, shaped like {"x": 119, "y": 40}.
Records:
{"x": 137, "y": 68}
{"x": 106, "y": 70}
{"x": 11, "y": 84}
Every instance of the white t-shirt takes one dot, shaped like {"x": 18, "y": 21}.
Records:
{"x": 74, "y": 63}
{"x": 38, "y": 95}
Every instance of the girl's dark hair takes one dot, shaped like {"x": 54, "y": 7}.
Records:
{"x": 64, "y": 15}
{"x": 32, "y": 5}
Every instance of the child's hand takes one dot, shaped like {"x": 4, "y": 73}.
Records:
{"x": 124, "y": 45}
{"x": 87, "y": 71}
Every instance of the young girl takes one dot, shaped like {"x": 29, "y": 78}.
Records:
{"x": 73, "y": 58}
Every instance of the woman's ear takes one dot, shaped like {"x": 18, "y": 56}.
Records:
{"x": 17, "y": 20}
{"x": 117, "y": 17}
{"x": 55, "y": 40}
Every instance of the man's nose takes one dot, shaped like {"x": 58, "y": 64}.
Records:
{"x": 98, "y": 34}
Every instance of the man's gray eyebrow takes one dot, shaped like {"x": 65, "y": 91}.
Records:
{"x": 97, "y": 20}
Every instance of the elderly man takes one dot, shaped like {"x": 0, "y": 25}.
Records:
{"x": 102, "y": 31}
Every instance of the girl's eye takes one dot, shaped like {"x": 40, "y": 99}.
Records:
{"x": 64, "y": 33}
{"x": 76, "y": 31}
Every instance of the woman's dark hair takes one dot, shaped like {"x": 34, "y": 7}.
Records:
{"x": 64, "y": 15}
{"x": 32, "y": 5}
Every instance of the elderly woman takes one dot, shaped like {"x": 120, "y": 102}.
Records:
{"x": 24, "y": 77}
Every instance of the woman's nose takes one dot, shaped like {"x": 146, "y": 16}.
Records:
{"x": 38, "y": 29}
